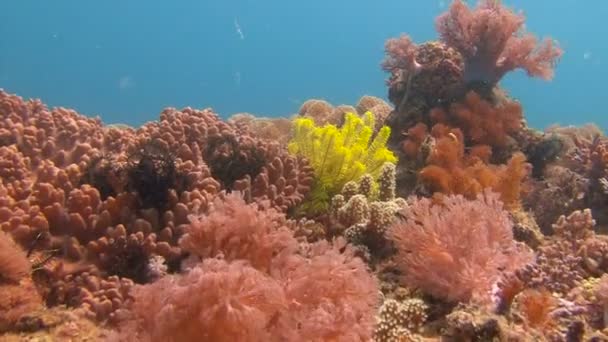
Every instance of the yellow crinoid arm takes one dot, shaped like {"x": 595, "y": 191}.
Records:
{"x": 340, "y": 155}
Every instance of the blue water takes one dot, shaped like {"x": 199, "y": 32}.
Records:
{"x": 125, "y": 60}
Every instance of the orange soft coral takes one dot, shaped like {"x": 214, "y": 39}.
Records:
{"x": 452, "y": 169}
{"x": 481, "y": 121}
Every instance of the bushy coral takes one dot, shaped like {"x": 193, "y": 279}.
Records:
{"x": 456, "y": 250}
{"x": 340, "y": 155}
{"x": 331, "y": 295}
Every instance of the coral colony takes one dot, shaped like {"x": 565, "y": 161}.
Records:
{"x": 439, "y": 217}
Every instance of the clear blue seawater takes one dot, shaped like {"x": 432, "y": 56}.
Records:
{"x": 125, "y": 60}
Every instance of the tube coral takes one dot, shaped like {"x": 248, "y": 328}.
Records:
{"x": 491, "y": 40}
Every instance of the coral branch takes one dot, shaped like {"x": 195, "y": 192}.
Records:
{"x": 491, "y": 40}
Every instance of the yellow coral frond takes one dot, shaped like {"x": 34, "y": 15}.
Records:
{"x": 340, "y": 155}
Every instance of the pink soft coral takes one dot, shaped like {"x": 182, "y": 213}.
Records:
{"x": 256, "y": 283}
{"x": 215, "y": 301}
{"x": 237, "y": 230}
{"x": 492, "y": 42}
{"x": 14, "y": 264}
{"x": 331, "y": 295}
{"x": 456, "y": 250}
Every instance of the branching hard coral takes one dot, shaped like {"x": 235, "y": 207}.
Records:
{"x": 106, "y": 174}
{"x": 363, "y": 217}
{"x": 397, "y": 320}
{"x": 457, "y": 249}
{"x": 272, "y": 129}
{"x": 492, "y": 41}
{"x": 283, "y": 183}
{"x": 48, "y": 191}
{"x": 560, "y": 192}
{"x": 572, "y": 254}
{"x": 233, "y": 157}
{"x": 376, "y": 105}
{"x": 339, "y": 155}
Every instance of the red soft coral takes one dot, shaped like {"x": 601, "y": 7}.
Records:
{"x": 491, "y": 40}
{"x": 456, "y": 250}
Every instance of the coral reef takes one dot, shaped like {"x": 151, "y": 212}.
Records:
{"x": 99, "y": 209}
{"x": 443, "y": 218}
{"x": 255, "y": 283}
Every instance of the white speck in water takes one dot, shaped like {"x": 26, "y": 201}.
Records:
{"x": 237, "y": 78}
{"x": 126, "y": 82}
{"x": 238, "y": 29}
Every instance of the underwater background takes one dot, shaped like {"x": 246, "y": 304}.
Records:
{"x": 125, "y": 60}
{"x": 440, "y": 213}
